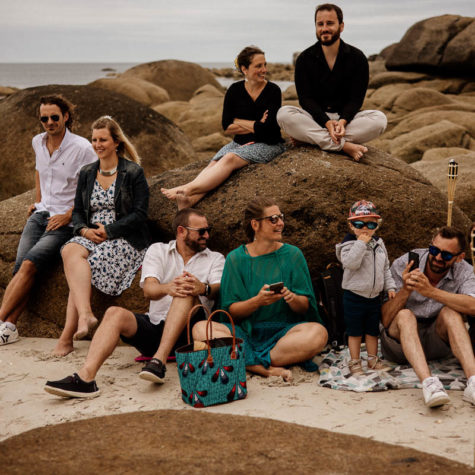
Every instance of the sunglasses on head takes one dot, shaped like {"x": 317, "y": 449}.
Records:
{"x": 201, "y": 231}
{"x": 274, "y": 219}
{"x": 361, "y": 224}
{"x": 446, "y": 255}
{"x": 54, "y": 118}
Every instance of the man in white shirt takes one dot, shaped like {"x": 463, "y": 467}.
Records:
{"x": 175, "y": 277}
{"x": 59, "y": 157}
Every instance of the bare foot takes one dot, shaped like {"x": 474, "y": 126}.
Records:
{"x": 85, "y": 324}
{"x": 296, "y": 143}
{"x": 354, "y": 150}
{"x": 286, "y": 374}
{"x": 183, "y": 200}
{"x": 171, "y": 193}
{"x": 62, "y": 348}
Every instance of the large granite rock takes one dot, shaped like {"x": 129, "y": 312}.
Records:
{"x": 180, "y": 78}
{"x": 138, "y": 89}
{"x": 443, "y": 44}
{"x": 160, "y": 143}
{"x": 314, "y": 189}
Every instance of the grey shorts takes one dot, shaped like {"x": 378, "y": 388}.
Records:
{"x": 434, "y": 347}
{"x": 38, "y": 245}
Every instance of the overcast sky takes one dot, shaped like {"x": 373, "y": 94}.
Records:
{"x": 195, "y": 30}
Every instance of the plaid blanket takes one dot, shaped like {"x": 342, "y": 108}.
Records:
{"x": 335, "y": 374}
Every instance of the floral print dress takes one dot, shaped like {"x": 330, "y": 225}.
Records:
{"x": 113, "y": 262}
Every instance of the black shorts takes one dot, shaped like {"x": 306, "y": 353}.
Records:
{"x": 148, "y": 336}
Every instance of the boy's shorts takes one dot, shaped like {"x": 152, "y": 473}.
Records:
{"x": 362, "y": 315}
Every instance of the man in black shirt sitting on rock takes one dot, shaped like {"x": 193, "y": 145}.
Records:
{"x": 331, "y": 78}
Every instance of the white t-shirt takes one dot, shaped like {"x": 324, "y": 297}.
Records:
{"x": 164, "y": 262}
{"x": 59, "y": 172}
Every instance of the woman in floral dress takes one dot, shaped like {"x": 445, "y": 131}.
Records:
{"x": 111, "y": 234}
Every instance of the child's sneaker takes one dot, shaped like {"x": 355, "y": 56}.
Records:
{"x": 434, "y": 393}
{"x": 376, "y": 364}
{"x": 355, "y": 367}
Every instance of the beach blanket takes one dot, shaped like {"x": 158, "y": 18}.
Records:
{"x": 335, "y": 374}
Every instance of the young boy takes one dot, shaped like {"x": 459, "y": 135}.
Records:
{"x": 365, "y": 275}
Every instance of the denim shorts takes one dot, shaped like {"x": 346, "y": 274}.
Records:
{"x": 38, "y": 245}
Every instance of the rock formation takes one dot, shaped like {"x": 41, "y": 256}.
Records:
{"x": 159, "y": 142}
{"x": 179, "y": 78}
{"x": 314, "y": 190}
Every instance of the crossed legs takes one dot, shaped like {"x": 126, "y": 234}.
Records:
{"x": 365, "y": 126}
{"x": 300, "y": 343}
{"x": 212, "y": 176}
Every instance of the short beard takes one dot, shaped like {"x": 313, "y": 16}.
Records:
{"x": 331, "y": 41}
{"x": 438, "y": 270}
{"x": 195, "y": 245}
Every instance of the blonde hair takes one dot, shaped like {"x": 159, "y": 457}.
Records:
{"x": 124, "y": 147}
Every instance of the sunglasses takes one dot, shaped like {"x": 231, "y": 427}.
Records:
{"x": 274, "y": 219}
{"x": 361, "y": 224}
{"x": 201, "y": 231}
{"x": 446, "y": 255}
{"x": 54, "y": 118}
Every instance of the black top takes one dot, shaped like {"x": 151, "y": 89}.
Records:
{"x": 238, "y": 104}
{"x": 322, "y": 90}
{"x": 131, "y": 203}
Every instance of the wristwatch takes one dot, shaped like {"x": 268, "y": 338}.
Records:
{"x": 207, "y": 290}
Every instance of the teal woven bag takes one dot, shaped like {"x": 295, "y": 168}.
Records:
{"x": 215, "y": 375}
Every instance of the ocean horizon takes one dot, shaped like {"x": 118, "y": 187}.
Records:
{"x": 24, "y": 75}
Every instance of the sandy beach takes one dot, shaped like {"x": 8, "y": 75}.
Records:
{"x": 395, "y": 416}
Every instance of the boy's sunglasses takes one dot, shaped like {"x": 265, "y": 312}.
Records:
{"x": 54, "y": 118}
{"x": 361, "y": 224}
{"x": 274, "y": 219}
{"x": 446, "y": 255}
{"x": 201, "y": 231}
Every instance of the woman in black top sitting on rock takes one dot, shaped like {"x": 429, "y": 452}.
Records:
{"x": 249, "y": 114}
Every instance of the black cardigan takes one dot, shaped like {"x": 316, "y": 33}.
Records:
{"x": 131, "y": 203}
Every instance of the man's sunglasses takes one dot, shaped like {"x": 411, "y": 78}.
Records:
{"x": 446, "y": 255}
{"x": 361, "y": 224}
{"x": 201, "y": 231}
{"x": 54, "y": 118}
{"x": 274, "y": 219}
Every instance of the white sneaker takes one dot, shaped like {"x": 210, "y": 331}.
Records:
{"x": 434, "y": 393}
{"x": 469, "y": 391}
{"x": 8, "y": 334}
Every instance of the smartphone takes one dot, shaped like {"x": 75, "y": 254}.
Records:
{"x": 413, "y": 256}
{"x": 276, "y": 287}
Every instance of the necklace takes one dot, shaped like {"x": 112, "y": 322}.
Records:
{"x": 108, "y": 172}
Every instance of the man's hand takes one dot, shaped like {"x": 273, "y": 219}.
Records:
{"x": 57, "y": 221}
{"x": 331, "y": 126}
{"x": 181, "y": 286}
{"x": 340, "y": 129}
{"x": 197, "y": 286}
{"x": 407, "y": 278}
{"x": 267, "y": 297}
{"x": 31, "y": 208}
{"x": 419, "y": 282}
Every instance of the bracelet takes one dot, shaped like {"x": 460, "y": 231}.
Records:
{"x": 85, "y": 231}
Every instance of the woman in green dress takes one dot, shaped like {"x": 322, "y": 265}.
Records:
{"x": 280, "y": 327}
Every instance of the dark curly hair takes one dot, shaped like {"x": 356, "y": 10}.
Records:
{"x": 62, "y": 103}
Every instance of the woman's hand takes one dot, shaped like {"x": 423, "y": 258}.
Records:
{"x": 267, "y": 297}
{"x": 96, "y": 235}
{"x": 265, "y": 115}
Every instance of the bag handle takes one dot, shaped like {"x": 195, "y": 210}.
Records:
{"x": 208, "y": 324}
{"x": 190, "y": 314}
